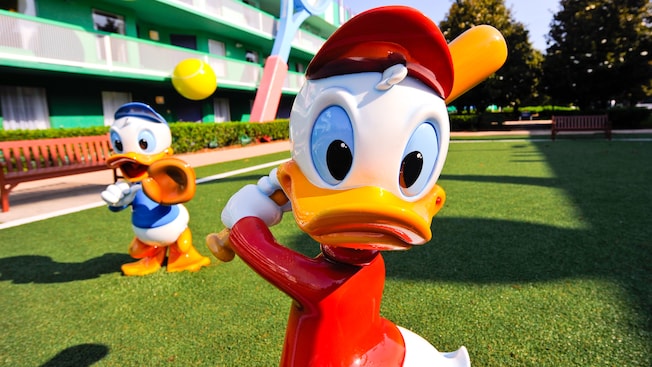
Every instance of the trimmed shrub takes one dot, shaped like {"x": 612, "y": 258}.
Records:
{"x": 7, "y": 135}
{"x": 191, "y": 137}
{"x": 186, "y": 136}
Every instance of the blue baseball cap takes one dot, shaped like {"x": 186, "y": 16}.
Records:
{"x": 140, "y": 110}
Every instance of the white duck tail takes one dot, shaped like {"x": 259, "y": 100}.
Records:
{"x": 419, "y": 353}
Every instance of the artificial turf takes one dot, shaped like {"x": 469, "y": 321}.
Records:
{"x": 541, "y": 257}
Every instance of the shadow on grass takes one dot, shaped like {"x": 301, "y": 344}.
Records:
{"x": 516, "y": 180}
{"x": 515, "y": 252}
{"x": 55, "y": 192}
{"x": 509, "y": 252}
{"x": 608, "y": 186}
{"x": 42, "y": 269}
{"x": 81, "y": 355}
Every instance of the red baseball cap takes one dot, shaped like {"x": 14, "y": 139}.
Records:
{"x": 381, "y": 37}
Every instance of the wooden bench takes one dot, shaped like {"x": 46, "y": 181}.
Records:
{"x": 581, "y": 123}
{"x": 31, "y": 160}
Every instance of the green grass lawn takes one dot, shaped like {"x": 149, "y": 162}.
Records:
{"x": 542, "y": 256}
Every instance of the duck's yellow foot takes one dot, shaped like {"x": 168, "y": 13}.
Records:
{"x": 139, "y": 249}
{"x": 190, "y": 260}
{"x": 146, "y": 265}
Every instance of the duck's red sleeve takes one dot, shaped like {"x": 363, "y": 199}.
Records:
{"x": 302, "y": 278}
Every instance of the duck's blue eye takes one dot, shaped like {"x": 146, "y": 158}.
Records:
{"x": 419, "y": 159}
{"x": 116, "y": 142}
{"x": 331, "y": 144}
{"x": 146, "y": 141}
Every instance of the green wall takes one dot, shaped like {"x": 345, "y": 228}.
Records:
{"x": 80, "y": 12}
{"x": 75, "y": 110}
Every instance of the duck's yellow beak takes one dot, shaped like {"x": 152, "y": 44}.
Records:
{"x": 134, "y": 166}
{"x": 363, "y": 218}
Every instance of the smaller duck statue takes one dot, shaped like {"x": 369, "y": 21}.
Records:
{"x": 155, "y": 186}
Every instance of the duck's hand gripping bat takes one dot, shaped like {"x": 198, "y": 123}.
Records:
{"x": 265, "y": 200}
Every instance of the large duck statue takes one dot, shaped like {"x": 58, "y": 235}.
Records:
{"x": 155, "y": 186}
{"x": 370, "y": 134}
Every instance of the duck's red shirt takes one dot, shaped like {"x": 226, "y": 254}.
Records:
{"x": 335, "y": 315}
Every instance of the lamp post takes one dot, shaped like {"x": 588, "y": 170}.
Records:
{"x": 293, "y": 13}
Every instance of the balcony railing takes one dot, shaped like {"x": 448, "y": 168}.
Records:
{"x": 48, "y": 46}
{"x": 236, "y": 13}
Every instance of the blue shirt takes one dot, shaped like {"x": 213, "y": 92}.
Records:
{"x": 147, "y": 213}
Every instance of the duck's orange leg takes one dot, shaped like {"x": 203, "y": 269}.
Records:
{"x": 151, "y": 258}
{"x": 184, "y": 256}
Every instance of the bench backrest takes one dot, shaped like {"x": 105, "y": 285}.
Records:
{"x": 580, "y": 122}
{"x": 25, "y": 155}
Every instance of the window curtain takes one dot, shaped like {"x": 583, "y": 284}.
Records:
{"x": 24, "y": 108}
{"x": 111, "y": 101}
{"x": 222, "y": 110}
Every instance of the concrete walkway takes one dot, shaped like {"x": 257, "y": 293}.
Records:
{"x": 38, "y": 200}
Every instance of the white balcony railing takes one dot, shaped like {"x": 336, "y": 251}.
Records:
{"x": 45, "y": 45}
{"x": 242, "y": 16}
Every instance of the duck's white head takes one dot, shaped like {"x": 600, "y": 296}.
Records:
{"x": 370, "y": 134}
{"x": 139, "y": 136}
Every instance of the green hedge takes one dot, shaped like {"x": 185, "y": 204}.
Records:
{"x": 186, "y": 136}
{"x": 464, "y": 122}
{"x": 486, "y": 121}
{"x": 7, "y": 135}
{"x": 191, "y": 137}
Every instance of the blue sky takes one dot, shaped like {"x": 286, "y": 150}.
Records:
{"x": 536, "y": 15}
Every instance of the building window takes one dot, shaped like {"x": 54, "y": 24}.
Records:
{"x": 222, "y": 110}
{"x": 252, "y": 3}
{"x": 216, "y": 48}
{"x": 9, "y": 5}
{"x": 108, "y": 22}
{"x": 251, "y": 56}
{"x": 184, "y": 40}
{"x": 110, "y": 49}
{"x": 24, "y": 108}
{"x": 20, "y": 6}
{"x": 111, "y": 101}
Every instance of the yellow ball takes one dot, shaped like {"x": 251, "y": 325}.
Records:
{"x": 194, "y": 79}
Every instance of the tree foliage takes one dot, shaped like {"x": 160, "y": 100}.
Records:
{"x": 517, "y": 81}
{"x": 599, "y": 50}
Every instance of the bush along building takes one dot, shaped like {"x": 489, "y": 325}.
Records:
{"x": 72, "y": 63}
